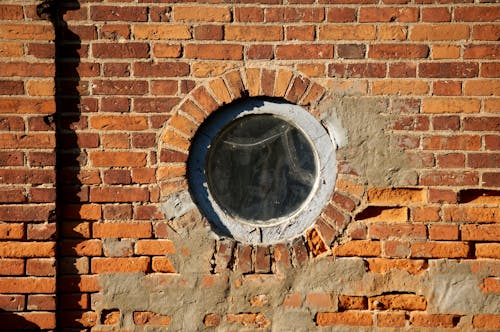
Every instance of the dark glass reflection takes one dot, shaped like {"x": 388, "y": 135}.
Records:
{"x": 260, "y": 167}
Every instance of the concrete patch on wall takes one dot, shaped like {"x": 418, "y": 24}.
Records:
{"x": 369, "y": 149}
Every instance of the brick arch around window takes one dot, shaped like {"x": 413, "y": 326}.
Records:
{"x": 208, "y": 97}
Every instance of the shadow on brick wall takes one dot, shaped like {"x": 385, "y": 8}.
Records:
{"x": 12, "y": 322}
{"x": 66, "y": 120}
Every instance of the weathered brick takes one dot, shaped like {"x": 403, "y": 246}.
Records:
{"x": 355, "y": 318}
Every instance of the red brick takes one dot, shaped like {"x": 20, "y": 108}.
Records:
{"x": 486, "y": 32}
{"x": 115, "y": 13}
{"x": 248, "y": 14}
{"x": 41, "y": 302}
{"x": 388, "y": 14}
{"x": 393, "y": 51}
{"x": 167, "y": 69}
{"x": 120, "y": 50}
{"x": 477, "y": 13}
{"x": 482, "y": 52}
{"x": 449, "y": 70}
{"x": 26, "y": 320}
{"x": 121, "y": 87}
{"x": 340, "y": 15}
{"x": 436, "y": 14}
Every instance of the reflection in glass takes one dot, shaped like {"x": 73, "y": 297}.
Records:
{"x": 260, "y": 167}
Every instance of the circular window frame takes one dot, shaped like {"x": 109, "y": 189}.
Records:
{"x": 279, "y": 229}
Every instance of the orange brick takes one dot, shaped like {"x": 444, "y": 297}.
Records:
{"x": 390, "y": 319}
{"x": 252, "y": 76}
{"x": 167, "y": 50}
{"x": 154, "y": 247}
{"x": 430, "y": 320}
{"x": 481, "y": 232}
{"x": 395, "y": 196}
{"x": 118, "y": 194}
{"x": 486, "y": 321}
{"x": 439, "y": 32}
{"x": 11, "y": 231}
{"x": 358, "y": 248}
{"x": 471, "y": 214}
{"x": 344, "y": 318}
{"x": 11, "y": 49}
{"x": 253, "y": 32}
{"x": 163, "y": 264}
{"x": 347, "y": 32}
{"x": 443, "y": 232}
{"x": 27, "y": 285}
{"x": 122, "y": 230}
{"x": 440, "y": 249}
{"x": 397, "y": 302}
{"x": 220, "y": 91}
{"x": 352, "y": 302}
{"x": 43, "y": 320}
{"x": 482, "y": 88}
{"x": 17, "y": 249}
{"x": 183, "y": 124}
{"x": 202, "y": 13}
{"x": 40, "y": 87}
{"x": 118, "y": 122}
{"x": 161, "y": 32}
{"x": 445, "y": 52}
{"x": 487, "y": 250}
{"x": 33, "y": 31}
{"x": 119, "y": 265}
{"x": 425, "y": 214}
{"x": 383, "y": 214}
{"x": 392, "y": 32}
{"x": 117, "y": 159}
{"x": 491, "y": 285}
{"x": 451, "y": 105}
{"x": 400, "y": 87}
{"x": 82, "y": 247}
{"x": 283, "y": 79}
{"x": 383, "y": 265}
{"x": 11, "y": 267}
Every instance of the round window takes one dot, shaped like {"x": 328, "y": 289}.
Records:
{"x": 261, "y": 171}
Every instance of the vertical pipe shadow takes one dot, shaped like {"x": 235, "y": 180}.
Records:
{"x": 68, "y": 152}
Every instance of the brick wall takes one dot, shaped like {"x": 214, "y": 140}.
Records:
{"x": 100, "y": 99}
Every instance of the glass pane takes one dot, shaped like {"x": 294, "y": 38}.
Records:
{"x": 260, "y": 167}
